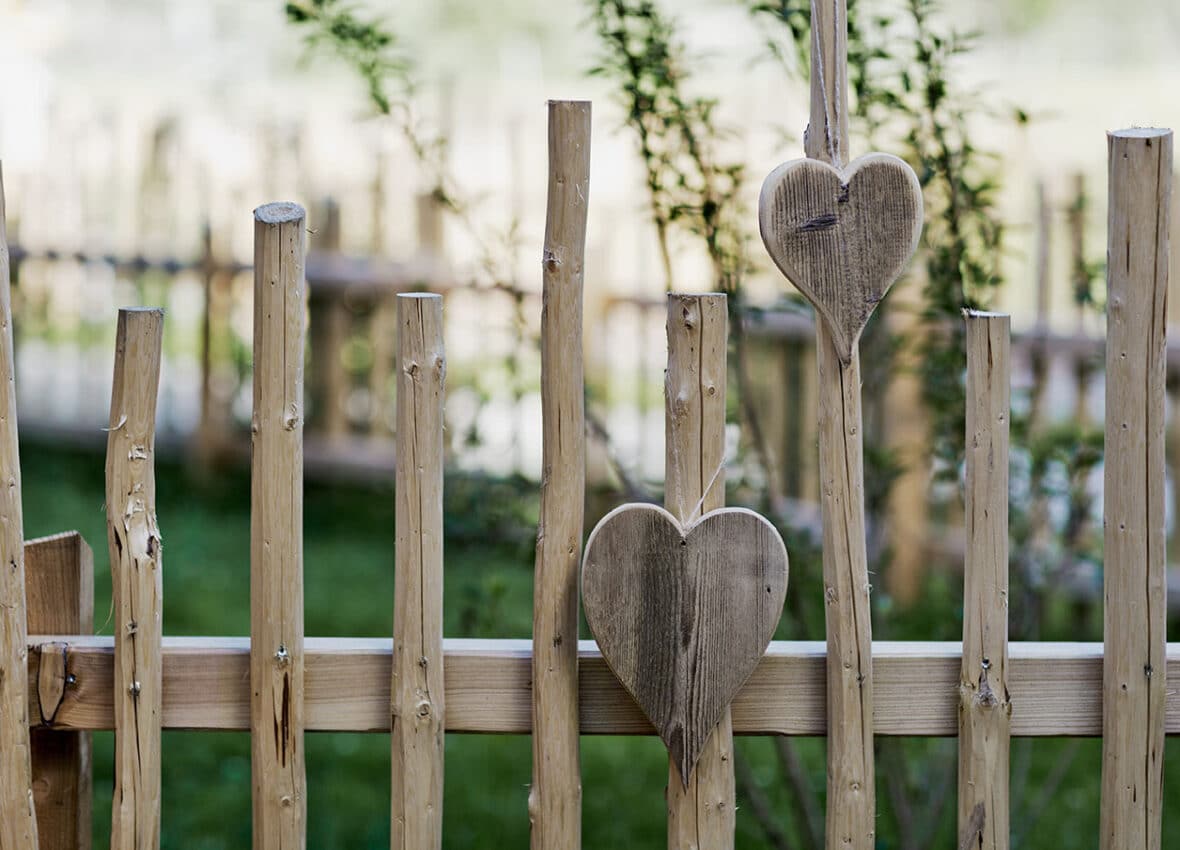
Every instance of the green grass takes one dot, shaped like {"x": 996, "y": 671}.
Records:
{"x": 349, "y": 591}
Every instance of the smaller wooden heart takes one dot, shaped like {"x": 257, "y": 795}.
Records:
{"x": 683, "y": 615}
{"x": 842, "y": 238}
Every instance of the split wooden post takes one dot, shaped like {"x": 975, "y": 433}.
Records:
{"x": 1135, "y": 615}
{"x": 851, "y": 801}
{"x": 417, "y": 685}
{"x": 276, "y": 529}
{"x": 136, "y": 579}
{"x": 18, "y": 822}
{"x": 984, "y": 707}
{"x": 701, "y": 810}
{"x": 59, "y": 583}
{"x": 555, "y": 799}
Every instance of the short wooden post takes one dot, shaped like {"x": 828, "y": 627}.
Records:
{"x": 701, "y": 811}
{"x": 555, "y": 799}
{"x": 136, "y": 579}
{"x": 1135, "y": 616}
{"x": 984, "y": 708}
{"x": 276, "y": 530}
{"x": 59, "y": 583}
{"x": 417, "y": 686}
{"x": 18, "y": 822}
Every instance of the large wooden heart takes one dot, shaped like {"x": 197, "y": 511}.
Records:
{"x": 683, "y": 615}
{"x": 842, "y": 238}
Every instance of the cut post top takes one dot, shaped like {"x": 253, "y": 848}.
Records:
{"x": 429, "y": 296}
{"x": 280, "y": 212}
{"x": 1140, "y": 133}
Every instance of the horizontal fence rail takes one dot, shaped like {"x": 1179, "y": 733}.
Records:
{"x": 1056, "y": 688}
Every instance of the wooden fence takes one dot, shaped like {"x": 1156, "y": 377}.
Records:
{"x": 61, "y": 682}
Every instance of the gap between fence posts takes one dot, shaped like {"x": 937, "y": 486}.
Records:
{"x": 984, "y": 705}
{"x": 555, "y": 798}
{"x": 276, "y": 530}
{"x": 417, "y": 706}
{"x": 136, "y": 579}
{"x": 701, "y": 811}
{"x": 1134, "y": 576}
{"x": 18, "y": 822}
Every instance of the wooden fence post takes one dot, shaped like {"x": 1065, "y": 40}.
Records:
{"x": 18, "y": 822}
{"x": 1134, "y": 578}
{"x": 59, "y": 576}
{"x": 417, "y": 686}
{"x": 984, "y": 707}
{"x": 555, "y": 799}
{"x": 701, "y": 811}
{"x": 276, "y": 529}
{"x": 136, "y": 579}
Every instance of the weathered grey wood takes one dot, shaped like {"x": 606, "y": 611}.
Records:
{"x": 1134, "y": 679}
{"x": 683, "y": 614}
{"x": 842, "y": 237}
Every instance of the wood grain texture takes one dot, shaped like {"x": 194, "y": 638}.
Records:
{"x": 842, "y": 237}
{"x": 136, "y": 579}
{"x": 276, "y": 530}
{"x": 701, "y": 813}
{"x": 18, "y": 822}
{"x": 1135, "y": 614}
{"x": 417, "y": 706}
{"x": 555, "y": 797}
{"x": 985, "y": 708}
{"x": 683, "y": 614}
{"x": 59, "y": 584}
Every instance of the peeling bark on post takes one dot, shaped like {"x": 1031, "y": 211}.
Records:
{"x": 1135, "y": 616}
{"x": 700, "y": 811}
{"x": 136, "y": 579}
{"x": 985, "y": 709}
{"x": 417, "y": 687}
{"x": 276, "y": 530}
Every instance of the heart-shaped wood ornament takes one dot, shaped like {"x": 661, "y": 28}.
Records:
{"x": 842, "y": 237}
{"x": 683, "y": 615}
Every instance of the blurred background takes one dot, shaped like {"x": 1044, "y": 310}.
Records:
{"x": 136, "y": 138}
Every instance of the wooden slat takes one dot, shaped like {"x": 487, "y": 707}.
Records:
{"x": 700, "y": 811}
{"x": 276, "y": 530}
{"x": 984, "y": 708}
{"x": 18, "y": 822}
{"x": 417, "y": 706}
{"x": 555, "y": 798}
{"x": 137, "y": 580}
{"x": 59, "y": 583}
{"x": 1134, "y": 579}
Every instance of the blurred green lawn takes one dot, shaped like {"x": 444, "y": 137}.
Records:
{"x": 349, "y": 591}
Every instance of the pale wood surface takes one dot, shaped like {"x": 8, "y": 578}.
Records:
{"x": 842, "y": 237}
{"x": 1055, "y": 688}
{"x": 59, "y": 584}
{"x": 555, "y": 797}
{"x": 701, "y": 813}
{"x": 1134, "y": 579}
{"x": 276, "y": 530}
{"x": 683, "y": 614}
{"x": 18, "y": 822}
{"x": 417, "y": 706}
{"x": 136, "y": 579}
{"x": 984, "y": 706}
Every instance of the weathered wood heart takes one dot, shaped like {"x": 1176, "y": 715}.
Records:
{"x": 842, "y": 237}
{"x": 683, "y": 615}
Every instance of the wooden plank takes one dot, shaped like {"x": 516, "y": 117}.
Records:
{"x": 555, "y": 798}
{"x": 59, "y": 583}
{"x": 701, "y": 811}
{"x": 276, "y": 529}
{"x": 18, "y": 822}
{"x": 984, "y": 708}
{"x": 1055, "y": 688}
{"x": 137, "y": 578}
{"x": 417, "y": 706}
{"x": 1134, "y": 580}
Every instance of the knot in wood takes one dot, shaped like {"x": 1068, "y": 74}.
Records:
{"x": 282, "y": 657}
